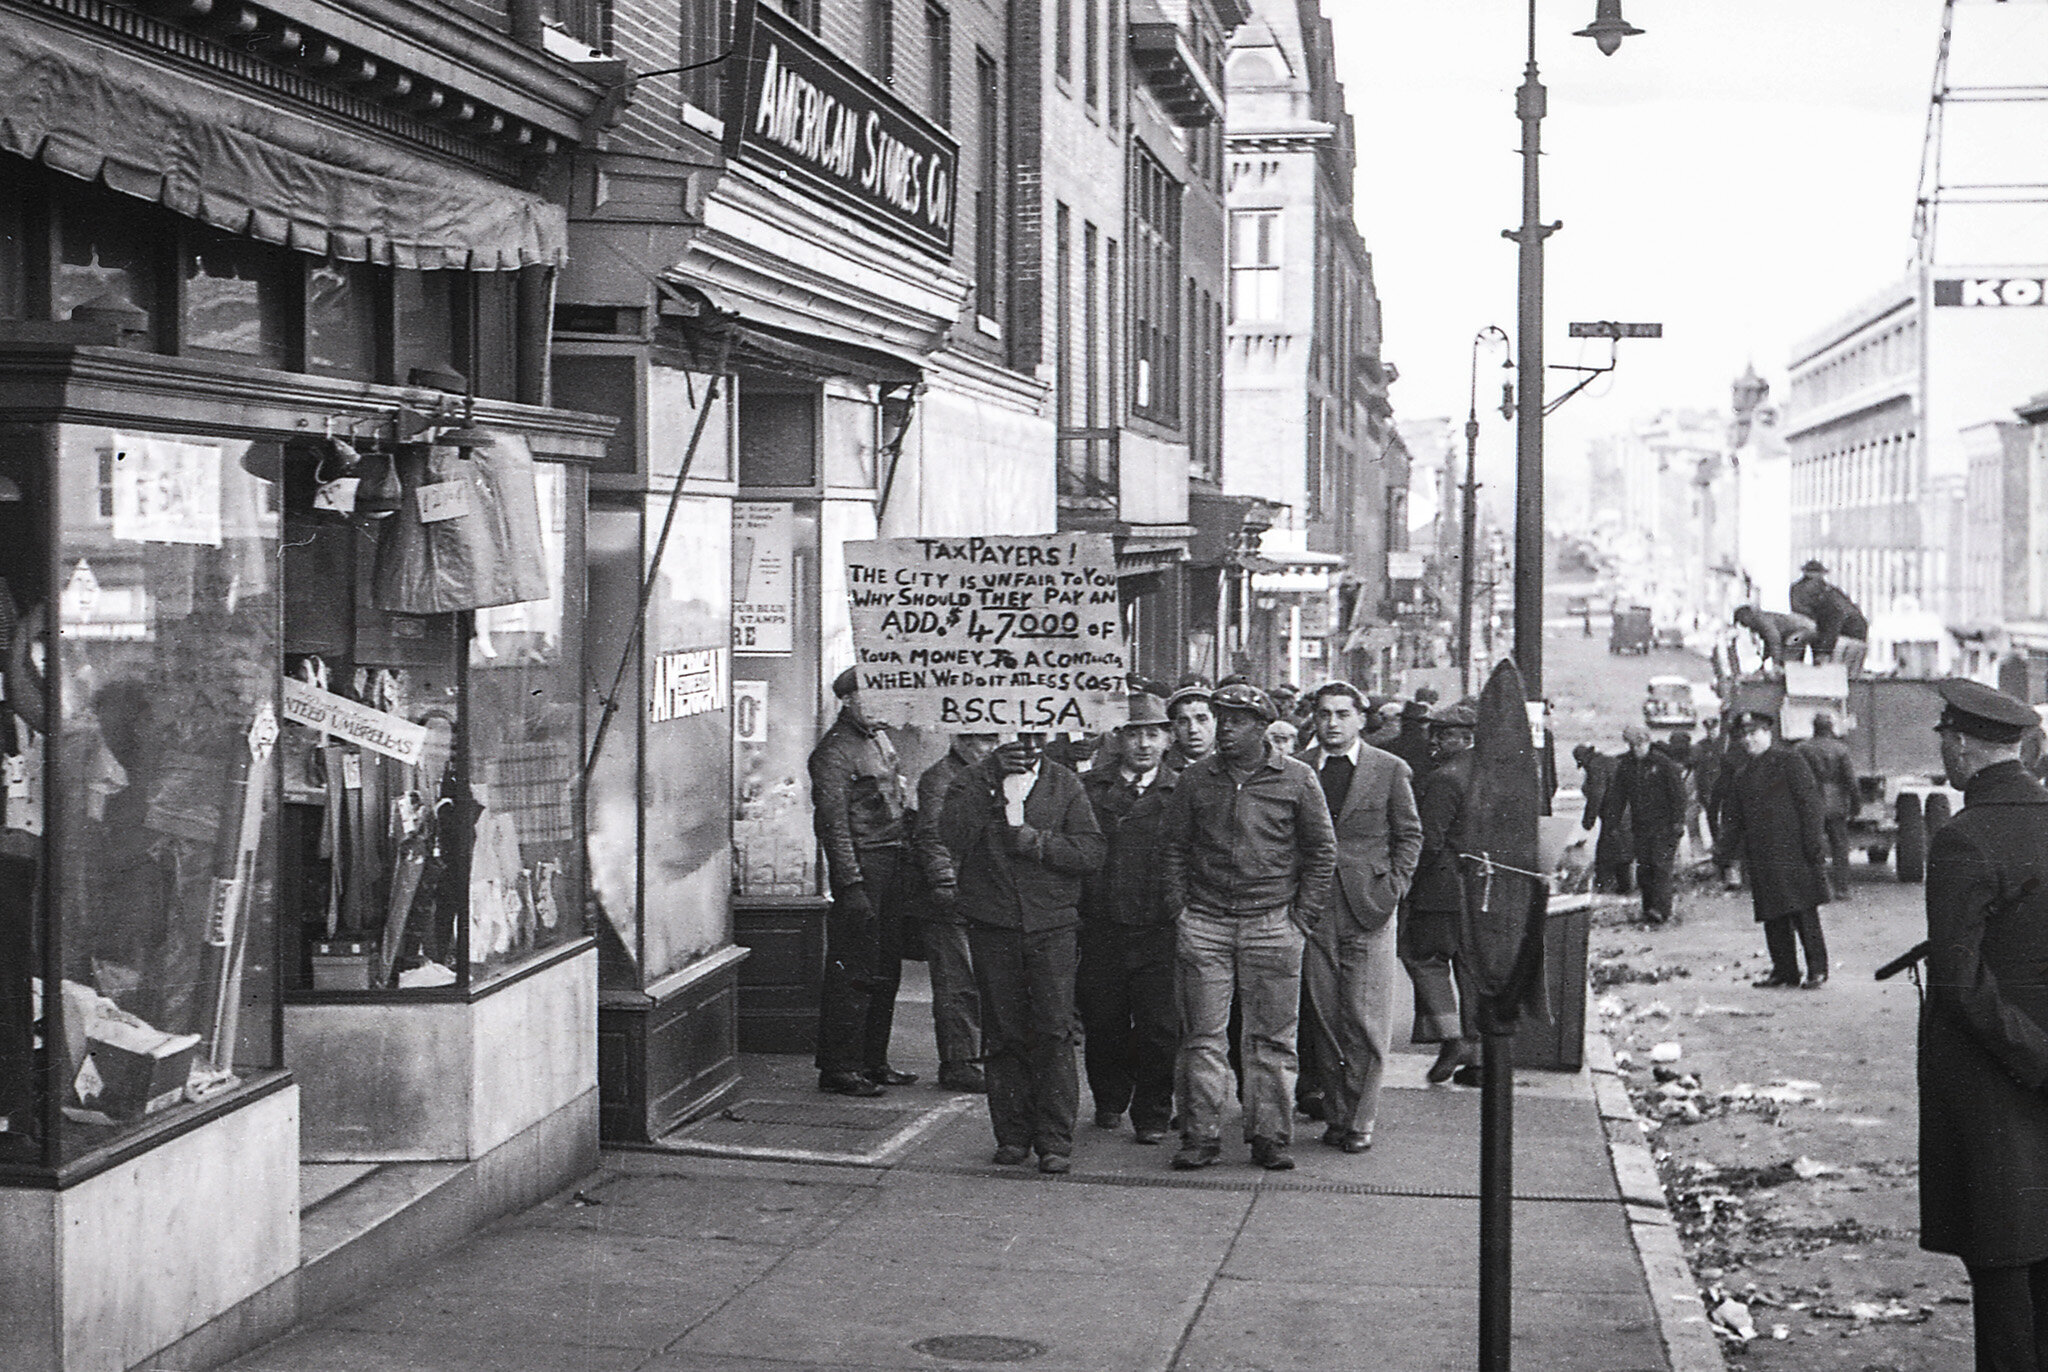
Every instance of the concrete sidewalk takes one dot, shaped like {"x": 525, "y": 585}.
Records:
{"x": 807, "y": 1231}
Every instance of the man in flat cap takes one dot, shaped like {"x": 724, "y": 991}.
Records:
{"x": 1129, "y": 1018}
{"x": 1772, "y": 819}
{"x": 1840, "y": 632}
{"x": 859, "y": 809}
{"x": 1193, "y": 723}
{"x": 1984, "y": 1029}
{"x": 1248, "y": 854}
{"x": 1348, "y": 974}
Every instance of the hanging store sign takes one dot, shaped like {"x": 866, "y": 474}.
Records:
{"x": 686, "y": 683}
{"x": 798, "y": 111}
{"x": 1995, "y": 292}
{"x": 354, "y": 722}
{"x": 763, "y": 586}
{"x": 973, "y": 635}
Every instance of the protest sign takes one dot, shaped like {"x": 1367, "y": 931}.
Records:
{"x": 989, "y": 635}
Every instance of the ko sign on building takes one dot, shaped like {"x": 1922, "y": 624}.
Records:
{"x": 796, "y": 110}
{"x": 1988, "y": 292}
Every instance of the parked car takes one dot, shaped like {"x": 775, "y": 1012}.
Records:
{"x": 1669, "y": 703}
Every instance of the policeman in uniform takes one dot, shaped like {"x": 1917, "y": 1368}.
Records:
{"x": 1984, "y": 1029}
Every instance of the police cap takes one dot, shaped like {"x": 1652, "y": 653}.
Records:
{"x": 1983, "y": 711}
{"x": 1243, "y": 696}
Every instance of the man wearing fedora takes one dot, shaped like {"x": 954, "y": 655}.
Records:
{"x": 863, "y": 823}
{"x": 1248, "y": 856}
{"x": 1840, "y": 632}
{"x": 1124, "y": 988}
{"x": 1348, "y": 967}
{"x": 1984, "y": 1028}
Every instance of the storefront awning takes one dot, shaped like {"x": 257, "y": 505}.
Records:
{"x": 99, "y": 112}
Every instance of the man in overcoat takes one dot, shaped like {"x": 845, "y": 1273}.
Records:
{"x": 863, "y": 823}
{"x": 1771, "y": 819}
{"x": 1648, "y": 791}
{"x": 1430, "y": 937}
{"x": 1023, "y": 836}
{"x": 1129, "y": 1017}
{"x": 1348, "y": 966}
{"x": 1984, "y": 1030}
{"x": 956, "y": 1005}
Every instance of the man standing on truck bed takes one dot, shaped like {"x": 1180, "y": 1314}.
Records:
{"x": 1840, "y": 631}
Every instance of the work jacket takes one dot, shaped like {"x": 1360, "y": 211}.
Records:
{"x": 1027, "y": 877}
{"x": 1440, "y": 805}
{"x": 1249, "y": 847}
{"x": 857, "y": 797}
{"x": 1127, "y": 888}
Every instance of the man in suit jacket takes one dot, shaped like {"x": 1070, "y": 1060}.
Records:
{"x": 1348, "y": 968}
{"x": 1024, "y": 835}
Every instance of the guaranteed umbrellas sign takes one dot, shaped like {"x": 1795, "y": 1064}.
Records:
{"x": 989, "y": 635}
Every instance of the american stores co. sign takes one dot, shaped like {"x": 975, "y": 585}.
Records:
{"x": 797, "y": 109}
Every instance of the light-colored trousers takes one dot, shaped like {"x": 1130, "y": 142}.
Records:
{"x": 1259, "y": 958}
{"x": 1349, "y": 972}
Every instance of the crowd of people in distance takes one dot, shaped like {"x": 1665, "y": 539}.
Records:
{"x": 1217, "y": 893}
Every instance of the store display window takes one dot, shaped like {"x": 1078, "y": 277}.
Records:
{"x": 775, "y": 693}
{"x": 432, "y": 663}
{"x": 139, "y": 611}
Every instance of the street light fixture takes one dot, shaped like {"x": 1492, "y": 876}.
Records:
{"x": 1497, "y": 1100}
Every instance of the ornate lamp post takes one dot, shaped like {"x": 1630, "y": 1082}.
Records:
{"x": 1469, "y": 507}
{"x": 1496, "y": 1121}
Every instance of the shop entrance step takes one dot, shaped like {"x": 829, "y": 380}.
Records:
{"x": 358, "y": 1223}
{"x": 820, "y": 1129}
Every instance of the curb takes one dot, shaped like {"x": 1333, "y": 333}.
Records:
{"x": 1689, "y": 1343}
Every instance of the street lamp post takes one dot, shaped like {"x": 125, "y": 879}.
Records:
{"x": 1496, "y": 1106}
{"x": 1469, "y": 511}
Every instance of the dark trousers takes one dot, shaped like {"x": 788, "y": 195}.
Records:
{"x": 1614, "y": 874}
{"x": 2009, "y": 1306}
{"x": 1838, "y": 849}
{"x": 863, "y": 966}
{"x": 1785, "y": 935}
{"x": 1446, "y": 1008}
{"x": 1027, "y": 1032}
{"x": 1129, "y": 1019}
{"x": 1654, "y": 861}
{"x": 956, "y": 1006}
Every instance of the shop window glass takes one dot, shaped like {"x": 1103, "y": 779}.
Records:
{"x": 673, "y": 399}
{"x": 238, "y": 299}
{"x": 166, "y": 671}
{"x": 778, "y": 437}
{"x": 341, "y": 319}
{"x": 107, "y": 253}
{"x": 426, "y": 322}
{"x": 612, "y": 798}
{"x": 494, "y": 348}
{"x": 775, "y": 697}
{"x": 526, "y": 750}
{"x": 849, "y": 442}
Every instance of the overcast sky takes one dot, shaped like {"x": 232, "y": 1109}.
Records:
{"x": 1743, "y": 173}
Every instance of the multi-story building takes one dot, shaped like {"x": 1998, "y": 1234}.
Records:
{"x": 1306, "y": 412}
{"x": 291, "y": 876}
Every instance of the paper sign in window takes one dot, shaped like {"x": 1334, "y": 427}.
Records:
{"x": 165, "y": 491}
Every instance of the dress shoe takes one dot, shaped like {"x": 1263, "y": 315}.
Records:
{"x": 1055, "y": 1164}
{"x": 1814, "y": 982}
{"x": 847, "y": 1084}
{"x": 1149, "y": 1136}
{"x": 1447, "y": 1059}
{"x": 1775, "y": 980}
{"x": 1196, "y": 1154}
{"x": 1108, "y": 1119}
{"x": 963, "y": 1076}
{"x": 1312, "y": 1106}
{"x": 885, "y": 1075}
{"x": 1467, "y": 1075}
{"x": 1357, "y": 1141}
{"x": 1271, "y": 1155}
{"x": 1333, "y": 1137}
{"x": 1009, "y": 1155}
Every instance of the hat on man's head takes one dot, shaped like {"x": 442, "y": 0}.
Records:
{"x": 846, "y": 683}
{"x": 1427, "y": 695}
{"x": 1583, "y": 753}
{"x": 1146, "y": 708}
{"x": 1186, "y": 693}
{"x": 1246, "y": 697}
{"x": 1971, "y": 707}
{"x": 1742, "y": 721}
{"x": 1454, "y": 717}
{"x": 1635, "y": 733}
{"x": 1814, "y": 564}
{"x": 1414, "y": 709}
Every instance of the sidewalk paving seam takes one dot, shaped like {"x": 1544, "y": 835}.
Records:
{"x": 1339, "y": 1188}
{"x": 1209, "y": 1287}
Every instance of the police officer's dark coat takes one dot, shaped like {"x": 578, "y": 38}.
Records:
{"x": 1771, "y": 819}
{"x": 1984, "y": 1028}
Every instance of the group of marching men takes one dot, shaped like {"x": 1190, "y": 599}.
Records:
{"x": 1199, "y": 891}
